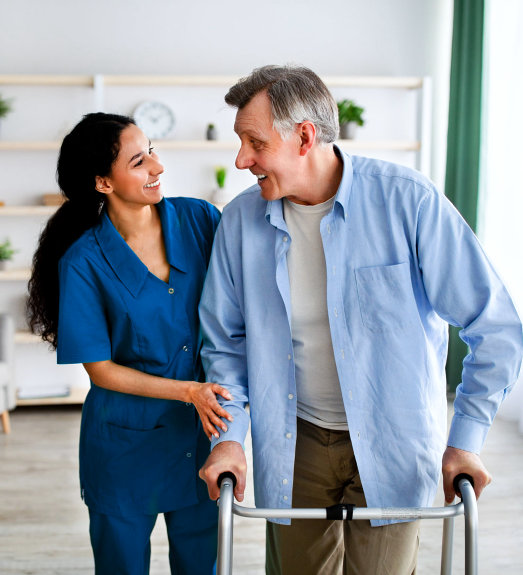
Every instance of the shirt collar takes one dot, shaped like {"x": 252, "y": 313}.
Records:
{"x": 172, "y": 235}
{"x": 131, "y": 271}
{"x": 345, "y": 187}
{"x": 274, "y": 209}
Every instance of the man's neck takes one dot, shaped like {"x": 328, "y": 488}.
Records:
{"x": 321, "y": 178}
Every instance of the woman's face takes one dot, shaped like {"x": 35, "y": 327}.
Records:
{"x": 135, "y": 175}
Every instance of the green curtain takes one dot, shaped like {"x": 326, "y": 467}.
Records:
{"x": 463, "y": 140}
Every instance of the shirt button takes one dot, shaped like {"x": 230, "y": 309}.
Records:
{"x": 285, "y": 238}
{"x": 288, "y": 435}
{"x": 285, "y": 498}
{"x": 329, "y": 229}
{"x": 171, "y": 290}
{"x": 185, "y": 348}
{"x": 290, "y": 396}
{"x": 189, "y": 454}
{"x": 285, "y": 481}
{"x": 336, "y": 312}
{"x": 289, "y": 357}
{"x": 188, "y": 404}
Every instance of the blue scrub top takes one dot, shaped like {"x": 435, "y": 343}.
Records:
{"x": 138, "y": 454}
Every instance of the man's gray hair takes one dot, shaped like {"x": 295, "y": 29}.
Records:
{"x": 296, "y": 95}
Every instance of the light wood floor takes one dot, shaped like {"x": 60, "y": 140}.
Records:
{"x": 44, "y": 526}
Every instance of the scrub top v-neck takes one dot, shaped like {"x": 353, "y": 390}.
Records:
{"x": 137, "y": 454}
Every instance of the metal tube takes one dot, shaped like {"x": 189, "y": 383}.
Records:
{"x": 467, "y": 507}
{"x": 225, "y": 528}
{"x": 358, "y": 513}
{"x": 471, "y": 527}
{"x": 447, "y": 545}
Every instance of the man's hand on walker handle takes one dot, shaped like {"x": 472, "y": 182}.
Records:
{"x": 456, "y": 461}
{"x": 203, "y": 396}
{"x": 226, "y": 456}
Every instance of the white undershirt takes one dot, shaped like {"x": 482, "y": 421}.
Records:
{"x": 317, "y": 384}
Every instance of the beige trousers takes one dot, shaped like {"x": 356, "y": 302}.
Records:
{"x": 325, "y": 473}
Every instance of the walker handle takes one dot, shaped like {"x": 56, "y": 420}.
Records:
{"x": 227, "y": 475}
{"x": 457, "y": 479}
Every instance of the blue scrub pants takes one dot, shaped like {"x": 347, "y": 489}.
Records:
{"x": 122, "y": 546}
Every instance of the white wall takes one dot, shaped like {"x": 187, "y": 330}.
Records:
{"x": 333, "y": 37}
{"x": 228, "y": 37}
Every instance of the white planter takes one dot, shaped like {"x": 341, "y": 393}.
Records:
{"x": 221, "y": 196}
{"x": 348, "y": 131}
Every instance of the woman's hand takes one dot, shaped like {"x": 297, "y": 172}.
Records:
{"x": 124, "y": 379}
{"x": 203, "y": 395}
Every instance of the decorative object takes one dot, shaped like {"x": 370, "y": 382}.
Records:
{"x": 220, "y": 196}
{"x": 6, "y": 253}
{"x": 5, "y": 107}
{"x": 154, "y": 118}
{"x": 56, "y": 199}
{"x": 212, "y": 132}
{"x": 350, "y": 116}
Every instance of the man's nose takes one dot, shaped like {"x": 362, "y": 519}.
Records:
{"x": 243, "y": 159}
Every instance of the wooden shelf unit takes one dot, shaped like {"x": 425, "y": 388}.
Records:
{"x": 97, "y": 85}
{"x": 198, "y": 145}
{"x": 14, "y": 275}
{"x": 76, "y": 396}
{"x": 30, "y": 210}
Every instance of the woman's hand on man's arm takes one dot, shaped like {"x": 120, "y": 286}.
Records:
{"x": 111, "y": 375}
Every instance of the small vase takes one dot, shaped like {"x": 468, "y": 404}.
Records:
{"x": 220, "y": 197}
{"x": 348, "y": 131}
{"x": 212, "y": 133}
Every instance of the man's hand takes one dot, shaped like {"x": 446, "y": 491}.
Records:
{"x": 226, "y": 456}
{"x": 456, "y": 461}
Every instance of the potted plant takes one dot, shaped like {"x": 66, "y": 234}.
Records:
{"x": 220, "y": 195}
{"x": 5, "y": 107}
{"x": 211, "y": 133}
{"x": 350, "y": 115}
{"x": 6, "y": 253}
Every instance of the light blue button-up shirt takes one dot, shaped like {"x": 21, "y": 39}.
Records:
{"x": 401, "y": 263}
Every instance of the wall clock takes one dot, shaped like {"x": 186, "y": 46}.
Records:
{"x": 155, "y": 119}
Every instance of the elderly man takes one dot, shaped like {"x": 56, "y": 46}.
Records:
{"x": 325, "y": 309}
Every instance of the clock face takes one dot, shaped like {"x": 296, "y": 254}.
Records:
{"x": 155, "y": 119}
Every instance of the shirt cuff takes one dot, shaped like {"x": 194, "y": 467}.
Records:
{"x": 467, "y": 434}
{"x": 236, "y": 430}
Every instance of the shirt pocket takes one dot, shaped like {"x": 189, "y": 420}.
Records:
{"x": 386, "y": 298}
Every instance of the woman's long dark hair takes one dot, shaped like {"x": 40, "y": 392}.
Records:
{"x": 88, "y": 151}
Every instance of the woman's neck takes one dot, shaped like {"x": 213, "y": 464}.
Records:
{"x": 133, "y": 223}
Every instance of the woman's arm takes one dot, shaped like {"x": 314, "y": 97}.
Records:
{"x": 110, "y": 375}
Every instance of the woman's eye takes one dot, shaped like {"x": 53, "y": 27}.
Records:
{"x": 139, "y": 163}
{"x": 151, "y": 150}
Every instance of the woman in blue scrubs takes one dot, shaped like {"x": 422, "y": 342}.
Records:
{"x": 116, "y": 282}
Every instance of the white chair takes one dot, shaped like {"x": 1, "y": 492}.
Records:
{"x": 7, "y": 384}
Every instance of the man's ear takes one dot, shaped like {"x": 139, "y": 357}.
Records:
{"x": 307, "y": 133}
{"x": 103, "y": 185}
